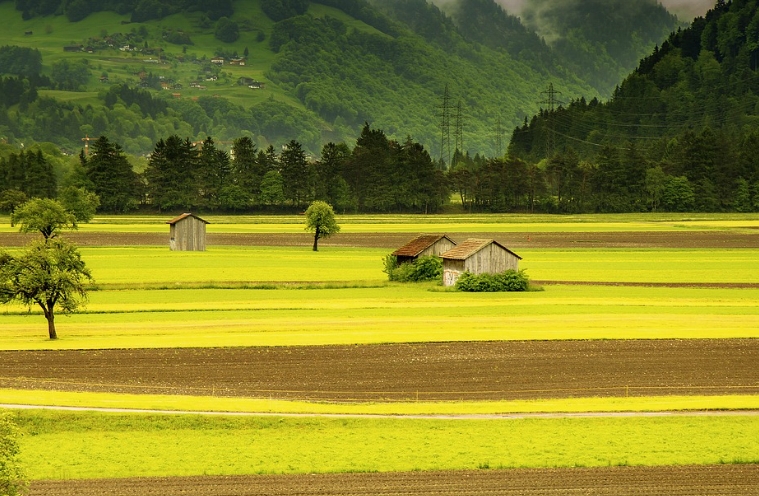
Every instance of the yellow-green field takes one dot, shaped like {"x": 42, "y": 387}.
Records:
{"x": 291, "y": 296}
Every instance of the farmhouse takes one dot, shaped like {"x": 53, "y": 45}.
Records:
{"x": 423, "y": 245}
{"x": 478, "y": 256}
{"x": 188, "y": 233}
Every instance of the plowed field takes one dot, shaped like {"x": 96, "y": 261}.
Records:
{"x": 646, "y": 239}
{"x": 614, "y": 481}
{"x": 425, "y": 371}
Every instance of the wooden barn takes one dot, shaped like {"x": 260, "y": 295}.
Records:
{"x": 478, "y": 256}
{"x": 188, "y": 233}
{"x": 423, "y": 245}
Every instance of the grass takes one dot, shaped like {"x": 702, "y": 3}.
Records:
{"x": 394, "y": 313}
{"x": 65, "y": 444}
{"x": 245, "y": 296}
{"x": 169, "y": 402}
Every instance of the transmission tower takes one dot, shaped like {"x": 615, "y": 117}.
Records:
{"x": 458, "y": 131}
{"x": 552, "y": 102}
{"x": 445, "y": 127}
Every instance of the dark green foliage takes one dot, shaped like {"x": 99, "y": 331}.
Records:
{"x": 28, "y": 172}
{"x": 427, "y": 268}
{"x": 510, "y": 280}
{"x": 677, "y": 133}
{"x": 70, "y": 75}
{"x": 171, "y": 173}
{"x": 226, "y": 30}
{"x": 278, "y": 10}
{"x": 111, "y": 175}
{"x": 21, "y": 61}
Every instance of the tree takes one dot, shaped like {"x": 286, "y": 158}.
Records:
{"x": 49, "y": 273}
{"x": 226, "y": 30}
{"x": 82, "y": 204}
{"x": 112, "y": 176}
{"x": 44, "y": 215}
{"x": 12, "y": 480}
{"x": 320, "y": 219}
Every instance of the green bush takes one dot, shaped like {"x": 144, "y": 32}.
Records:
{"x": 428, "y": 268}
{"x": 511, "y": 280}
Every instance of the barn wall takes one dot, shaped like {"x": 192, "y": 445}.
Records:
{"x": 491, "y": 260}
{"x": 189, "y": 234}
{"x": 452, "y": 269}
{"x": 438, "y": 248}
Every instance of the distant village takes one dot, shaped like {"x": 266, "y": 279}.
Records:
{"x": 130, "y": 42}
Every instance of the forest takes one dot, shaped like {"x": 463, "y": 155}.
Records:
{"x": 679, "y": 133}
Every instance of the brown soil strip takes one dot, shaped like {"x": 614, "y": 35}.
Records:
{"x": 391, "y": 241}
{"x": 401, "y": 372}
{"x": 719, "y": 480}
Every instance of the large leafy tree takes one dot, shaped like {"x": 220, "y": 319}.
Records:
{"x": 50, "y": 274}
{"x": 111, "y": 175}
{"x": 320, "y": 220}
{"x": 43, "y": 215}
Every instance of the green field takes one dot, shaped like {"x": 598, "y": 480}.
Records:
{"x": 291, "y": 296}
{"x": 64, "y": 445}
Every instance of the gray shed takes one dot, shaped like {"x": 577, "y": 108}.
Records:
{"x": 188, "y": 233}
{"x": 477, "y": 256}
{"x": 424, "y": 245}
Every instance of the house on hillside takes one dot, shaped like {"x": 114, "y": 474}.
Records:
{"x": 477, "y": 256}
{"x": 187, "y": 233}
{"x": 423, "y": 245}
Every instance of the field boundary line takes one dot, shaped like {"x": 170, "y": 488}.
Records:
{"x": 488, "y": 416}
{"x": 705, "y": 285}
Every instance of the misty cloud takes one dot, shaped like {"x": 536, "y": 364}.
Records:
{"x": 686, "y": 10}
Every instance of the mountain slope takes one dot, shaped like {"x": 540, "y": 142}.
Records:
{"x": 315, "y": 77}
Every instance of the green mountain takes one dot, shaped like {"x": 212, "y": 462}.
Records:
{"x": 681, "y": 132}
{"x": 313, "y": 71}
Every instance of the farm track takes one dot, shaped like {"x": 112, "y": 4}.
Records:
{"x": 471, "y": 371}
{"x": 718, "y": 480}
{"x": 669, "y": 239}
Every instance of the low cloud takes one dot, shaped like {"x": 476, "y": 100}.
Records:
{"x": 686, "y": 10}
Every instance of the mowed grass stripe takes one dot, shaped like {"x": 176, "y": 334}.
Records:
{"x": 91, "y": 445}
{"x": 398, "y": 313}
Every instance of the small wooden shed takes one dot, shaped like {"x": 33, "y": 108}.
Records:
{"x": 187, "y": 233}
{"x": 477, "y": 256}
{"x": 424, "y": 245}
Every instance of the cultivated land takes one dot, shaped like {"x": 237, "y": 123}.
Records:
{"x": 259, "y": 324}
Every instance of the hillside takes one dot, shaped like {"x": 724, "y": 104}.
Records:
{"x": 314, "y": 78}
{"x": 679, "y": 133}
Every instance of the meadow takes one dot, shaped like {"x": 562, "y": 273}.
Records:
{"x": 64, "y": 445}
{"x": 149, "y": 297}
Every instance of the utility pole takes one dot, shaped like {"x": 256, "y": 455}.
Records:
{"x": 445, "y": 127}
{"x": 552, "y": 102}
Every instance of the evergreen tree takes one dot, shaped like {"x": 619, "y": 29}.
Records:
{"x": 111, "y": 175}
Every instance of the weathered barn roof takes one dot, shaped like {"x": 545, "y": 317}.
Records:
{"x": 184, "y": 216}
{"x": 471, "y": 246}
{"x": 419, "y": 244}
